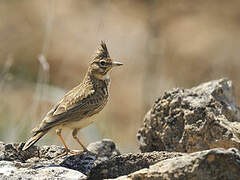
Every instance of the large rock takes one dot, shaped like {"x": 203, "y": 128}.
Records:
{"x": 40, "y": 162}
{"x": 189, "y": 120}
{"x": 128, "y": 163}
{"x": 205, "y": 165}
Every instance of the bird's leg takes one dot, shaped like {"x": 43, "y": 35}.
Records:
{"x": 59, "y": 131}
{"x": 74, "y": 134}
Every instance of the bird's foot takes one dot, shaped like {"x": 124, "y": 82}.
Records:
{"x": 67, "y": 151}
{"x": 61, "y": 155}
{"x": 84, "y": 151}
{"x": 76, "y": 153}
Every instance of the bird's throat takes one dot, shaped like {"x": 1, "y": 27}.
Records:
{"x": 102, "y": 77}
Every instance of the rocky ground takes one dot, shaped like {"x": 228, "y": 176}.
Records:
{"x": 187, "y": 134}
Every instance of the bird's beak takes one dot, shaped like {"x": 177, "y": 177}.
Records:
{"x": 115, "y": 63}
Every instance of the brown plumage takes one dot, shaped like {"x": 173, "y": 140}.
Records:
{"x": 83, "y": 101}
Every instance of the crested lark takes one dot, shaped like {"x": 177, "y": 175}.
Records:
{"x": 85, "y": 100}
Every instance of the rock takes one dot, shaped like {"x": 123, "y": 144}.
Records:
{"x": 13, "y": 152}
{"x": 11, "y": 170}
{"x": 81, "y": 162}
{"x": 128, "y": 163}
{"x": 209, "y": 164}
{"x": 105, "y": 149}
{"x": 39, "y": 163}
{"x": 189, "y": 120}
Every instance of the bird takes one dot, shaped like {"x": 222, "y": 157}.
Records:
{"x": 79, "y": 104}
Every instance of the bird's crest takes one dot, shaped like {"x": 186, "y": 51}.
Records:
{"x": 102, "y": 51}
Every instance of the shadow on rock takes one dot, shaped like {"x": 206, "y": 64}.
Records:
{"x": 80, "y": 162}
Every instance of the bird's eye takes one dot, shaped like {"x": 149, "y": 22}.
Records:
{"x": 102, "y": 63}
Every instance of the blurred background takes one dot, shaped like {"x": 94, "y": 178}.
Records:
{"x": 45, "y": 47}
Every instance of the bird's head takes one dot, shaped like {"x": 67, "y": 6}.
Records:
{"x": 101, "y": 64}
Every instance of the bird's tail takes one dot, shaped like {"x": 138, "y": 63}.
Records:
{"x": 33, "y": 140}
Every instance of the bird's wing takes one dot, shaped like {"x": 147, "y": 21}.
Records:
{"x": 73, "y": 99}
{"x": 76, "y": 103}
{"x": 76, "y": 99}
